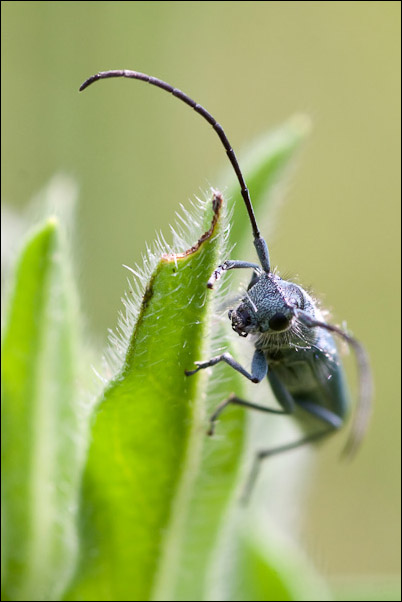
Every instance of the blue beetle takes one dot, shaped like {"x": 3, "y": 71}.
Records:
{"x": 294, "y": 345}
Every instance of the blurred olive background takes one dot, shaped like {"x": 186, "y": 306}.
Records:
{"x": 136, "y": 154}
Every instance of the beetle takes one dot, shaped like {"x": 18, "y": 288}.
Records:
{"x": 294, "y": 345}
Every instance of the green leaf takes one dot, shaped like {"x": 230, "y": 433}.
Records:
{"x": 41, "y": 417}
{"x": 148, "y": 433}
{"x": 267, "y": 566}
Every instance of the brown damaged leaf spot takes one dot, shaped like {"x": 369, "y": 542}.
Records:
{"x": 217, "y": 201}
{"x": 147, "y": 296}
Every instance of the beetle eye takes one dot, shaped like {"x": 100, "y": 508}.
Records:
{"x": 279, "y": 322}
{"x": 245, "y": 317}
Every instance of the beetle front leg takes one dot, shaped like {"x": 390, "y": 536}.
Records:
{"x": 230, "y": 264}
{"x": 259, "y": 366}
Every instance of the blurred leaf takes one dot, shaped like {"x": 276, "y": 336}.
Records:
{"x": 41, "y": 417}
{"x": 265, "y": 167}
{"x": 269, "y": 567}
{"x": 257, "y": 578}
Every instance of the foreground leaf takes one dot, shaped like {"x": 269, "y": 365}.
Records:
{"x": 146, "y": 435}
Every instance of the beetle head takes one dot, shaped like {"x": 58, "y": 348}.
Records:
{"x": 269, "y": 307}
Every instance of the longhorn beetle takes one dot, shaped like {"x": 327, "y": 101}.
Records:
{"x": 294, "y": 346}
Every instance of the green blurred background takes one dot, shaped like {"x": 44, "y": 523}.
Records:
{"x": 137, "y": 154}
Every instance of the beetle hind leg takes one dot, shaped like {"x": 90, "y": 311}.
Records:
{"x": 266, "y": 453}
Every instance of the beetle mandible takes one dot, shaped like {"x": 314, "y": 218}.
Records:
{"x": 294, "y": 345}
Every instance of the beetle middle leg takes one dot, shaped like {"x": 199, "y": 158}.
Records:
{"x": 259, "y": 366}
{"x": 246, "y": 404}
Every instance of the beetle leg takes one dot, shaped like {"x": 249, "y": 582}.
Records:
{"x": 333, "y": 422}
{"x": 241, "y": 402}
{"x": 259, "y": 366}
{"x": 363, "y": 410}
{"x": 265, "y": 453}
{"x": 230, "y": 264}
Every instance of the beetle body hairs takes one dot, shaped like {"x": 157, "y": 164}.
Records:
{"x": 294, "y": 345}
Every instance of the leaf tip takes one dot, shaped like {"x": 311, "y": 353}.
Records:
{"x": 52, "y": 222}
{"x": 301, "y": 124}
{"x": 217, "y": 203}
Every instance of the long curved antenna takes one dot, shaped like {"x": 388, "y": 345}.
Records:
{"x": 363, "y": 410}
{"x": 258, "y": 241}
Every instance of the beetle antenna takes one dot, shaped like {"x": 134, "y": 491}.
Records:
{"x": 363, "y": 410}
{"x": 259, "y": 243}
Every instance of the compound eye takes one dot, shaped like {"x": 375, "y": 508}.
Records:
{"x": 279, "y": 322}
{"x": 245, "y": 317}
